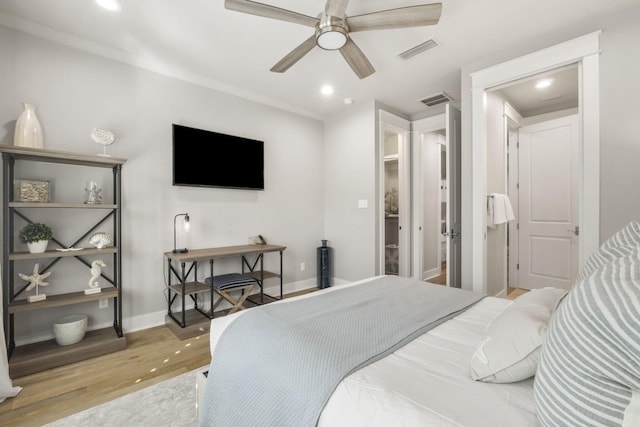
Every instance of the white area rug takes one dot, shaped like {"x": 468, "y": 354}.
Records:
{"x": 169, "y": 403}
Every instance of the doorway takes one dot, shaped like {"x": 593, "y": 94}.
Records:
{"x": 428, "y": 193}
{"x": 532, "y": 157}
{"x": 583, "y": 51}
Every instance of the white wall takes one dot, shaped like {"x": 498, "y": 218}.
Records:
{"x": 619, "y": 113}
{"x": 350, "y": 176}
{"x": 619, "y": 109}
{"x": 75, "y": 92}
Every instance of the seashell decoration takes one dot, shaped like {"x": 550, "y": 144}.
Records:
{"x": 104, "y": 138}
{"x": 101, "y": 240}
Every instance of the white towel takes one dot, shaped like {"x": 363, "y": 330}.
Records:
{"x": 499, "y": 210}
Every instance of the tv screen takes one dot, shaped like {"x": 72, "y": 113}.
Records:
{"x": 204, "y": 158}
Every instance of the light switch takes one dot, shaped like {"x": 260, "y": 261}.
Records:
{"x": 363, "y": 204}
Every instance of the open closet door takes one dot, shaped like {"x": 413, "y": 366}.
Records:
{"x": 454, "y": 246}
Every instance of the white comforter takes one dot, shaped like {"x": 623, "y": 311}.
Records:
{"x": 427, "y": 382}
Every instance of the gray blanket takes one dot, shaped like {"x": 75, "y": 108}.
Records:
{"x": 278, "y": 364}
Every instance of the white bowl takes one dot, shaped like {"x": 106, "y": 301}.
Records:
{"x": 69, "y": 330}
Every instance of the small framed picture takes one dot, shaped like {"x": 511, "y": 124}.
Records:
{"x": 31, "y": 190}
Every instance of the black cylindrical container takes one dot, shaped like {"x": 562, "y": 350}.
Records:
{"x": 324, "y": 266}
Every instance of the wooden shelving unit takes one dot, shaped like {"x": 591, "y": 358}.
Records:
{"x": 44, "y": 355}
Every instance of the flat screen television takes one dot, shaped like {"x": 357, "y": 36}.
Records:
{"x": 203, "y": 158}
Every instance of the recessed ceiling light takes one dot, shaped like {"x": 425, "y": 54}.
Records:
{"x": 110, "y": 5}
{"x": 326, "y": 90}
{"x": 544, "y": 83}
{"x": 348, "y": 101}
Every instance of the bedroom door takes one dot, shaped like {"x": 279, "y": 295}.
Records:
{"x": 454, "y": 202}
{"x": 436, "y": 197}
{"x": 428, "y": 199}
{"x": 548, "y": 203}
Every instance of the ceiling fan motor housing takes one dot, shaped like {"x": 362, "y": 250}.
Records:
{"x": 331, "y": 32}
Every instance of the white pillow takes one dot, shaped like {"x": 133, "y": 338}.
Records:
{"x": 510, "y": 348}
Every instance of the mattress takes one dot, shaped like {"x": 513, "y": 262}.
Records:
{"x": 426, "y": 382}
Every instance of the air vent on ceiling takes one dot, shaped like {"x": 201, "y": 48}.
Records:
{"x": 416, "y": 50}
{"x": 439, "y": 98}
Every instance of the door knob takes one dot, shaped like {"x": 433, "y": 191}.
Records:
{"x": 575, "y": 231}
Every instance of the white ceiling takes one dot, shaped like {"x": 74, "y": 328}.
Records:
{"x": 529, "y": 100}
{"x": 202, "y": 42}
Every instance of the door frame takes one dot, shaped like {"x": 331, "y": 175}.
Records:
{"x": 584, "y": 51}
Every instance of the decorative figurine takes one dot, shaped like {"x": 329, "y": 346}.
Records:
{"x": 35, "y": 281}
{"x": 101, "y": 240}
{"x": 92, "y": 193}
{"x": 96, "y": 271}
{"x": 104, "y": 138}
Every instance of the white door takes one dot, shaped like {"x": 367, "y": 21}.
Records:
{"x": 548, "y": 203}
{"x": 454, "y": 202}
{"x": 427, "y": 203}
{"x": 428, "y": 206}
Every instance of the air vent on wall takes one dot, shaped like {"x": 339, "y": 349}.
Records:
{"x": 416, "y": 50}
{"x": 439, "y": 98}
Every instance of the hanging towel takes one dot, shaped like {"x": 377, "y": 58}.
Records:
{"x": 499, "y": 210}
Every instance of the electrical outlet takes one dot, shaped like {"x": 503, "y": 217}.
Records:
{"x": 303, "y": 266}
{"x": 103, "y": 303}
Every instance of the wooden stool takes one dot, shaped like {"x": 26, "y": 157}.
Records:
{"x": 225, "y": 283}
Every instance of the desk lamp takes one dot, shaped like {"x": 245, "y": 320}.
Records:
{"x": 186, "y": 227}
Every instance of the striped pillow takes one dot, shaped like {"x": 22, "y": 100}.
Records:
{"x": 620, "y": 244}
{"x": 589, "y": 372}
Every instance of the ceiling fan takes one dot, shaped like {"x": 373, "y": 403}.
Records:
{"x": 333, "y": 26}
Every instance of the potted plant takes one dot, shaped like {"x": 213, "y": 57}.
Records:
{"x": 36, "y": 236}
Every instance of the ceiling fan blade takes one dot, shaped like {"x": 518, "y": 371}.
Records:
{"x": 295, "y": 55}
{"x": 412, "y": 16}
{"x": 267, "y": 11}
{"x": 356, "y": 59}
{"x": 336, "y": 8}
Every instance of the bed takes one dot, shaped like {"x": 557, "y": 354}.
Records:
{"x": 482, "y": 364}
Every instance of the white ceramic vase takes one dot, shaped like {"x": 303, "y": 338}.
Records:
{"x": 28, "y": 130}
{"x": 38, "y": 247}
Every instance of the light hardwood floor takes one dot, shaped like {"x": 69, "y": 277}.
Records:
{"x": 152, "y": 355}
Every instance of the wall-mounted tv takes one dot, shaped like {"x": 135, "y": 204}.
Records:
{"x": 203, "y": 158}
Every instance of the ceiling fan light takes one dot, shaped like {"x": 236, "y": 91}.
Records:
{"x": 331, "y": 33}
{"x": 331, "y": 38}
